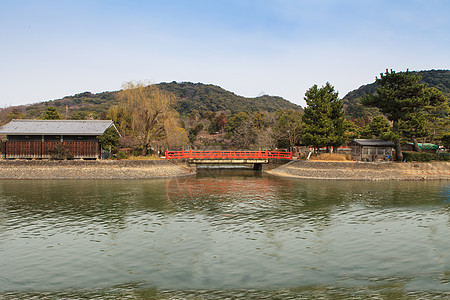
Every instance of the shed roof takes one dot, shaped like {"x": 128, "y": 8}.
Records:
{"x": 56, "y": 127}
{"x": 373, "y": 142}
{"x": 426, "y": 146}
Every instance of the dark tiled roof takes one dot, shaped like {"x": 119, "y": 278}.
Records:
{"x": 56, "y": 127}
{"x": 370, "y": 142}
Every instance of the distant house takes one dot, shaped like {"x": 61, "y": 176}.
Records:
{"x": 371, "y": 150}
{"x": 425, "y": 147}
{"x": 34, "y": 138}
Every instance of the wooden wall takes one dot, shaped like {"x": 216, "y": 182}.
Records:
{"x": 40, "y": 150}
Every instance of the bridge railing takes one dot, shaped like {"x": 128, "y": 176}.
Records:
{"x": 214, "y": 154}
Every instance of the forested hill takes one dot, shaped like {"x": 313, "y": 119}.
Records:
{"x": 198, "y": 96}
{"x": 190, "y": 96}
{"x": 439, "y": 79}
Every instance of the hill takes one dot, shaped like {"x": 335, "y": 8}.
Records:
{"x": 439, "y": 79}
{"x": 198, "y": 96}
{"x": 190, "y": 96}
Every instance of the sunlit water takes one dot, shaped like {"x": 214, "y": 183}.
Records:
{"x": 228, "y": 234}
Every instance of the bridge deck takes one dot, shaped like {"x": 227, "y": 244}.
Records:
{"x": 228, "y": 155}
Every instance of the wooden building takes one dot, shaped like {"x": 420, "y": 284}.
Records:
{"x": 371, "y": 150}
{"x": 34, "y": 138}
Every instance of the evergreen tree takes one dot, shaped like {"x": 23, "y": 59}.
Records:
{"x": 402, "y": 99}
{"x": 109, "y": 140}
{"x": 51, "y": 114}
{"x": 323, "y": 117}
{"x": 379, "y": 128}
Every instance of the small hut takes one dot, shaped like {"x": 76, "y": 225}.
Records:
{"x": 371, "y": 150}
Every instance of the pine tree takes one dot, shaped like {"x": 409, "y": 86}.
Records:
{"x": 323, "y": 117}
{"x": 402, "y": 99}
{"x": 51, "y": 114}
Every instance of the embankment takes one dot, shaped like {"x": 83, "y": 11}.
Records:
{"x": 364, "y": 171}
{"x": 98, "y": 169}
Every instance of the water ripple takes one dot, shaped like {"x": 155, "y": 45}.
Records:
{"x": 225, "y": 236}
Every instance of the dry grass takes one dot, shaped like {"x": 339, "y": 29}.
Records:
{"x": 148, "y": 157}
{"x": 331, "y": 157}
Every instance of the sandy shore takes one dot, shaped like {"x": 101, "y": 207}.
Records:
{"x": 364, "y": 171}
{"x": 79, "y": 169}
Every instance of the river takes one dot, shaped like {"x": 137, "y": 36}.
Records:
{"x": 224, "y": 234}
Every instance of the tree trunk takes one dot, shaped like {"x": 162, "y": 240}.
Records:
{"x": 398, "y": 151}
{"x": 398, "y": 147}
{"x": 416, "y": 145}
{"x": 144, "y": 149}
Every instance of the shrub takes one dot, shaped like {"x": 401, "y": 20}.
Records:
{"x": 121, "y": 155}
{"x": 59, "y": 152}
{"x": 424, "y": 156}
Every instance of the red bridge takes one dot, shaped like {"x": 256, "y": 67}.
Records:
{"x": 228, "y": 155}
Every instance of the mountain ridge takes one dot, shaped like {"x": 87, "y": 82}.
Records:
{"x": 190, "y": 96}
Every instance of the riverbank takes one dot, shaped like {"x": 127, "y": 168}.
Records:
{"x": 147, "y": 169}
{"x": 364, "y": 171}
{"x": 86, "y": 169}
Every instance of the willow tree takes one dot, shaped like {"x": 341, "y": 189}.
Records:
{"x": 176, "y": 136}
{"x": 403, "y": 100}
{"x": 145, "y": 109}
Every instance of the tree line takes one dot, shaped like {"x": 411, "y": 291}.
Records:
{"x": 406, "y": 111}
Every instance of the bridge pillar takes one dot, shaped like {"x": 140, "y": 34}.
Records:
{"x": 257, "y": 167}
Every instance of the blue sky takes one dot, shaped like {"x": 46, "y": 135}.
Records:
{"x": 50, "y": 49}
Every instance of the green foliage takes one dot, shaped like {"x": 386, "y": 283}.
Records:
{"x": 86, "y": 115}
{"x": 88, "y": 105}
{"x": 15, "y": 114}
{"x": 403, "y": 100}
{"x": 424, "y": 157}
{"x": 439, "y": 79}
{"x": 200, "y": 97}
{"x": 445, "y": 140}
{"x": 323, "y": 117}
{"x": 398, "y": 94}
{"x": 414, "y": 125}
{"x": 51, "y": 114}
{"x": 121, "y": 155}
{"x": 59, "y": 152}
{"x": 190, "y": 97}
{"x": 109, "y": 140}
{"x": 288, "y": 128}
{"x": 121, "y": 118}
{"x": 240, "y": 131}
{"x": 379, "y": 128}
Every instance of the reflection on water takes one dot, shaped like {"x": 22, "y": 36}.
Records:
{"x": 238, "y": 234}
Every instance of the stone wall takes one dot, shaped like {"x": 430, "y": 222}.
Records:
{"x": 96, "y": 169}
{"x": 364, "y": 171}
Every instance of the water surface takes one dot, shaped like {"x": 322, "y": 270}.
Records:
{"x": 238, "y": 234}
